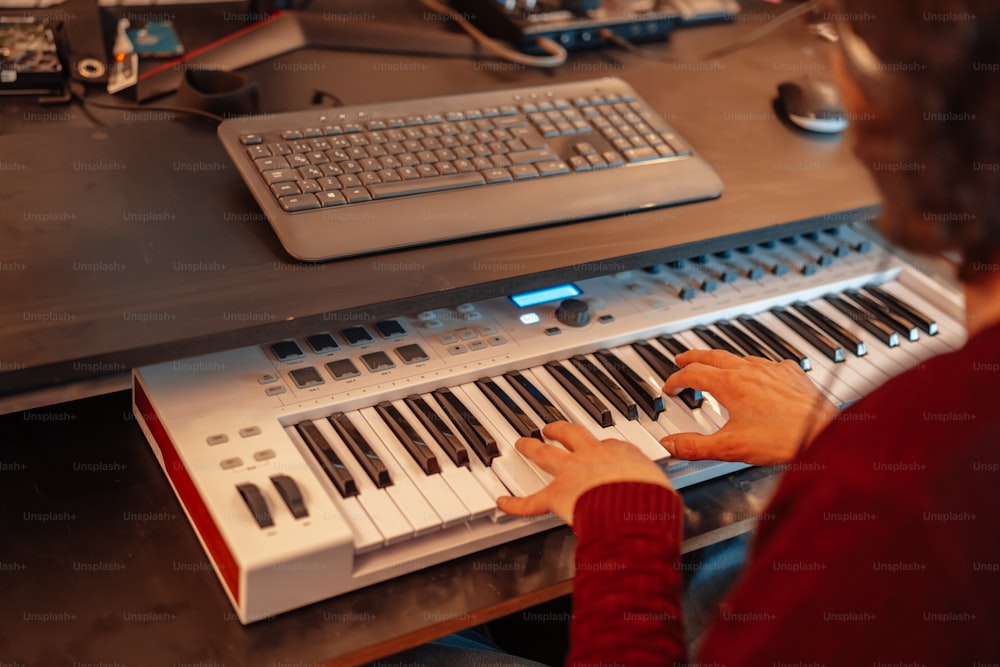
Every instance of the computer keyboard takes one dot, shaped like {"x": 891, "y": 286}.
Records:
{"x": 359, "y": 179}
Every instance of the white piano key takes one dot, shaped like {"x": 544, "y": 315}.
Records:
{"x": 521, "y": 476}
{"x": 949, "y": 330}
{"x": 476, "y": 500}
{"x": 433, "y": 488}
{"x": 623, "y": 429}
{"x": 375, "y": 501}
{"x": 880, "y": 359}
{"x": 403, "y": 492}
{"x": 366, "y": 535}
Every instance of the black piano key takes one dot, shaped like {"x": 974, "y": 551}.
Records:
{"x": 360, "y": 448}
{"x": 864, "y": 320}
{"x": 903, "y": 309}
{"x": 328, "y": 459}
{"x": 672, "y": 345}
{"x": 472, "y": 430}
{"x": 650, "y": 400}
{"x": 439, "y": 430}
{"x": 664, "y": 367}
{"x": 410, "y": 439}
{"x": 782, "y": 348}
{"x": 714, "y": 340}
{"x": 901, "y": 325}
{"x": 842, "y": 335}
{"x": 745, "y": 340}
{"x": 615, "y": 394}
{"x": 509, "y": 408}
{"x": 538, "y": 401}
{"x": 581, "y": 393}
{"x": 827, "y": 347}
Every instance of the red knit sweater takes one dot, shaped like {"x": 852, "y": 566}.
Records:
{"x": 881, "y": 546}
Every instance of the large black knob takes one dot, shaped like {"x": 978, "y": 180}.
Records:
{"x": 573, "y": 312}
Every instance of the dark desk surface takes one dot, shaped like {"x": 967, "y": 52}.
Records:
{"x": 98, "y": 564}
{"x": 138, "y": 243}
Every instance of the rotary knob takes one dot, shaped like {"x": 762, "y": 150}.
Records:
{"x": 573, "y": 312}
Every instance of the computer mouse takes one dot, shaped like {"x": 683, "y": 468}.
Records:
{"x": 813, "y": 104}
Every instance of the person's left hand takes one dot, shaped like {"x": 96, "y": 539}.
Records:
{"x": 588, "y": 463}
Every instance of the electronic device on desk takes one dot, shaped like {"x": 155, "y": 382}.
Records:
{"x": 29, "y": 57}
{"x": 563, "y": 152}
{"x": 317, "y": 465}
{"x": 579, "y": 24}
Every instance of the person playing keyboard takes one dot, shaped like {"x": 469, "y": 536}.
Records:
{"x": 880, "y": 546}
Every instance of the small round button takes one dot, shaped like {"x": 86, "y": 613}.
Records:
{"x": 573, "y": 312}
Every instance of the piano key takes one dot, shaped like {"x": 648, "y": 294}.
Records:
{"x": 615, "y": 395}
{"x": 511, "y": 411}
{"x": 384, "y": 514}
{"x": 850, "y": 342}
{"x": 478, "y": 500}
{"x": 716, "y": 413}
{"x": 328, "y": 459}
{"x": 675, "y": 417}
{"x": 518, "y": 474}
{"x": 664, "y": 367}
{"x": 439, "y": 430}
{"x": 840, "y": 380}
{"x": 480, "y": 472}
{"x": 361, "y": 450}
{"x": 901, "y": 308}
{"x": 714, "y": 340}
{"x": 474, "y": 433}
{"x": 950, "y": 329}
{"x": 581, "y": 393}
{"x": 621, "y": 428}
{"x": 435, "y": 491}
{"x": 538, "y": 402}
{"x": 648, "y": 398}
{"x": 819, "y": 341}
{"x": 748, "y": 343}
{"x": 367, "y": 536}
{"x": 409, "y": 438}
{"x": 403, "y": 493}
{"x": 871, "y": 324}
{"x": 671, "y": 344}
{"x": 906, "y": 329}
{"x": 773, "y": 341}
{"x": 882, "y": 360}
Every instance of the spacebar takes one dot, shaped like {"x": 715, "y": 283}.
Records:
{"x": 418, "y": 186}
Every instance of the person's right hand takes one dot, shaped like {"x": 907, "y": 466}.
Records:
{"x": 774, "y": 409}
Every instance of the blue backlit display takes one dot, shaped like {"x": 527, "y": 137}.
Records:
{"x": 528, "y": 299}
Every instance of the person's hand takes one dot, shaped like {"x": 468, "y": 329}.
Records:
{"x": 774, "y": 409}
{"x": 587, "y": 463}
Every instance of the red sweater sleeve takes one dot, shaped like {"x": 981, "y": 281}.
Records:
{"x": 628, "y": 582}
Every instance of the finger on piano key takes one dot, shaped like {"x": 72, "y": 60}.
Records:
{"x": 676, "y": 416}
{"x": 515, "y": 415}
{"x": 851, "y": 343}
{"x": 439, "y": 430}
{"x": 403, "y": 491}
{"x": 538, "y": 402}
{"x": 607, "y": 387}
{"x": 477, "y": 499}
{"x": 927, "y": 324}
{"x": 649, "y": 399}
{"x": 875, "y": 327}
{"x": 481, "y": 472}
{"x": 664, "y": 368}
{"x": 367, "y": 536}
{"x": 475, "y": 434}
{"x": 906, "y": 329}
{"x": 517, "y": 473}
{"x": 622, "y": 429}
{"x": 581, "y": 393}
{"x": 846, "y": 385}
{"x": 362, "y": 451}
{"x": 385, "y": 514}
{"x": 435, "y": 491}
{"x": 830, "y": 349}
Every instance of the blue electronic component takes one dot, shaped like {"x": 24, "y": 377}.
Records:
{"x": 528, "y": 299}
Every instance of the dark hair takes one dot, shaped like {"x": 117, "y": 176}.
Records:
{"x": 932, "y": 140}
